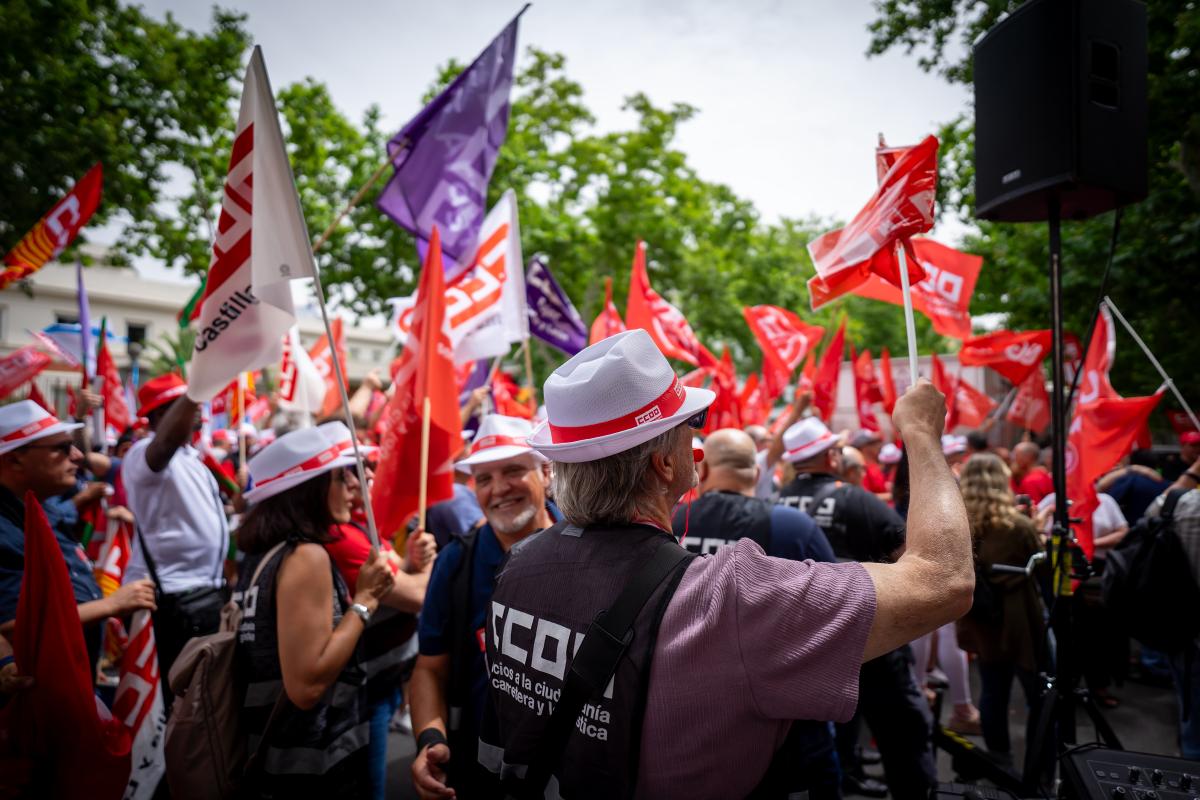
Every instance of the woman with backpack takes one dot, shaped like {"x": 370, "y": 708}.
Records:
{"x": 1007, "y": 632}
{"x": 306, "y": 707}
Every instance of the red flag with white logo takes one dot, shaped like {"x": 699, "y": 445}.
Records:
{"x": 887, "y": 383}
{"x": 58, "y": 228}
{"x": 608, "y": 322}
{"x": 971, "y": 406}
{"x": 1102, "y": 349}
{"x": 646, "y": 309}
{"x": 901, "y": 207}
{"x": 943, "y": 295}
{"x": 425, "y": 369}
{"x": 785, "y": 340}
{"x": 1030, "y": 408}
{"x": 139, "y": 705}
{"x": 1011, "y": 353}
{"x": 825, "y": 381}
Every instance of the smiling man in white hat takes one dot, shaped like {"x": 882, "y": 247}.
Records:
{"x": 37, "y": 454}
{"x": 449, "y": 682}
{"x": 618, "y": 666}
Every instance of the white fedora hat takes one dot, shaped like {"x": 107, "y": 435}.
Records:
{"x": 807, "y": 438}
{"x": 953, "y": 445}
{"x": 25, "y": 421}
{"x": 291, "y": 460}
{"x": 612, "y": 396}
{"x": 337, "y": 433}
{"x": 499, "y": 437}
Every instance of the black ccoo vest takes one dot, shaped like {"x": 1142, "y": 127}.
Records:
{"x": 720, "y": 518}
{"x": 547, "y": 594}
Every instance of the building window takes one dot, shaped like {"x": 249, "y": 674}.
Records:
{"x": 354, "y": 353}
{"x": 66, "y": 319}
{"x": 135, "y": 332}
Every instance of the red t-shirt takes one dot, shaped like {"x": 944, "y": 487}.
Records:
{"x": 1036, "y": 483}
{"x": 349, "y": 550}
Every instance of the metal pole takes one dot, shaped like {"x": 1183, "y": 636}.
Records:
{"x": 1145, "y": 349}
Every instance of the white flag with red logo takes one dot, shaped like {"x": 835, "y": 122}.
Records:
{"x": 139, "y": 705}
{"x": 301, "y": 387}
{"x": 262, "y": 244}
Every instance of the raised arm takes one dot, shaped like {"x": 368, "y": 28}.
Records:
{"x": 172, "y": 432}
{"x": 775, "y": 451}
{"x": 933, "y": 582}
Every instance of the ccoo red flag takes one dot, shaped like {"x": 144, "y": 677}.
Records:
{"x": 825, "y": 381}
{"x": 56, "y": 727}
{"x": 901, "y": 207}
{"x": 784, "y": 339}
{"x": 1030, "y": 408}
{"x": 887, "y": 383}
{"x": 608, "y": 322}
{"x": 1015, "y": 355}
{"x": 866, "y": 390}
{"x": 667, "y": 326}
{"x": 425, "y": 369}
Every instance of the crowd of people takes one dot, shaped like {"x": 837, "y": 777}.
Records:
{"x": 608, "y": 604}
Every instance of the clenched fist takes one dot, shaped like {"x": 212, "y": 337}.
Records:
{"x": 921, "y": 411}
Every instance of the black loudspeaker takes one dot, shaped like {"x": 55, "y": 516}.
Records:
{"x": 1060, "y": 106}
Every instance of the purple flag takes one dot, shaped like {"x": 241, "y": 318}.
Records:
{"x": 85, "y": 324}
{"x": 444, "y": 156}
{"x": 552, "y": 317}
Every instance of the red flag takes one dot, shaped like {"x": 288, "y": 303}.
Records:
{"x": 825, "y": 382}
{"x": 784, "y": 339}
{"x": 508, "y": 396}
{"x": 808, "y": 375}
{"x": 1101, "y": 433}
{"x": 754, "y": 404}
{"x": 1030, "y": 408}
{"x": 19, "y": 367}
{"x": 426, "y": 369}
{"x": 945, "y": 384}
{"x": 1094, "y": 384}
{"x": 887, "y": 384}
{"x": 116, "y": 408}
{"x": 56, "y": 724}
{"x": 322, "y": 356}
{"x": 901, "y": 207}
{"x": 35, "y": 394}
{"x": 667, "y": 326}
{"x": 608, "y": 322}
{"x": 724, "y": 412}
{"x": 53, "y": 232}
{"x": 944, "y": 295}
{"x": 866, "y": 390}
{"x": 1013, "y": 354}
{"x": 971, "y": 406}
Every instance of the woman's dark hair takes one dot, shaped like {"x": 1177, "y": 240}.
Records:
{"x": 300, "y": 513}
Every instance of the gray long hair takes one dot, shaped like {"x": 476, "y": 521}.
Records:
{"x": 608, "y": 491}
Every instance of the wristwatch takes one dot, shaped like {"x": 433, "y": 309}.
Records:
{"x": 362, "y": 611}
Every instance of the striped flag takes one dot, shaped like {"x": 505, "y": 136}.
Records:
{"x": 262, "y": 244}
{"x": 53, "y": 232}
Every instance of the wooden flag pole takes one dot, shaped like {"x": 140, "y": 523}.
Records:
{"x": 910, "y": 327}
{"x": 388, "y": 161}
{"x": 422, "y": 505}
{"x": 1166, "y": 378}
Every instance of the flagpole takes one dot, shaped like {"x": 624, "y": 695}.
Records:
{"x": 910, "y": 326}
{"x": 421, "y": 504}
{"x": 1145, "y": 349}
{"x": 241, "y": 413}
{"x": 354, "y": 201}
{"x": 341, "y": 383}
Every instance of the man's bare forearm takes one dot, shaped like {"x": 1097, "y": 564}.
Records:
{"x": 937, "y": 529}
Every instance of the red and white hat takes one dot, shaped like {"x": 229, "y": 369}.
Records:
{"x": 25, "y": 421}
{"x": 953, "y": 445}
{"x": 808, "y": 438}
{"x": 291, "y": 460}
{"x": 499, "y": 437}
{"x": 612, "y": 396}
{"x": 890, "y": 454}
{"x": 337, "y": 433}
{"x": 159, "y": 391}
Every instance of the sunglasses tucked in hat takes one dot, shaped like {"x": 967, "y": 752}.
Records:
{"x": 291, "y": 460}
{"x": 25, "y": 421}
{"x": 499, "y": 437}
{"x": 611, "y": 397}
{"x": 159, "y": 391}
{"x": 808, "y": 438}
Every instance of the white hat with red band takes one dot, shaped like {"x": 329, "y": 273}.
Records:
{"x": 291, "y": 460}
{"x": 612, "y": 396}
{"x": 499, "y": 437}
{"x": 890, "y": 454}
{"x": 808, "y": 438}
{"x": 337, "y": 433}
{"x": 25, "y": 421}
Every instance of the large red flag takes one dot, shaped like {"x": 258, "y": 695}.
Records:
{"x": 784, "y": 339}
{"x": 20, "y": 366}
{"x": 53, "y": 232}
{"x": 1030, "y": 408}
{"x": 322, "y": 356}
{"x": 825, "y": 382}
{"x": 1101, "y": 433}
{"x": 608, "y": 322}
{"x": 887, "y": 383}
{"x": 667, "y": 326}
{"x": 944, "y": 295}
{"x": 942, "y": 381}
{"x": 55, "y": 728}
{"x": 1013, "y": 354}
{"x": 866, "y": 390}
{"x": 1102, "y": 349}
{"x": 116, "y": 408}
{"x": 425, "y": 369}
{"x": 901, "y": 207}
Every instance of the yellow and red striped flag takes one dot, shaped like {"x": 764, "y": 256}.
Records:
{"x": 53, "y": 232}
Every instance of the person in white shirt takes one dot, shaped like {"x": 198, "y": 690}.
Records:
{"x": 181, "y": 532}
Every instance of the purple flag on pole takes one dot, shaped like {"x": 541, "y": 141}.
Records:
{"x": 552, "y": 317}
{"x": 85, "y": 324}
{"x": 444, "y": 156}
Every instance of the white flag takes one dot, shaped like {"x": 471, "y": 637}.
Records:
{"x": 301, "y": 386}
{"x": 262, "y": 244}
{"x": 139, "y": 705}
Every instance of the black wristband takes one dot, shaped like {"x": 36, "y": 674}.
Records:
{"x": 430, "y": 737}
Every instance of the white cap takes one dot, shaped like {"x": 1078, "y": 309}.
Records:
{"x": 25, "y": 421}
{"x": 807, "y": 438}
{"x": 291, "y": 460}
{"x": 613, "y": 396}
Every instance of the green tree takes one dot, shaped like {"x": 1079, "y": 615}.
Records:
{"x": 1154, "y": 273}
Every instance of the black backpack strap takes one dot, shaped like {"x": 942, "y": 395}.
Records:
{"x": 606, "y": 640}
{"x": 148, "y": 558}
{"x": 1168, "y": 506}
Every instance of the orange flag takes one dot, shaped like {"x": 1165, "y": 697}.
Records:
{"x": 424, "y": 369}
{"x": 608, "y": 322}
{"x": 322, "y": 356}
